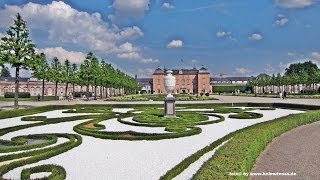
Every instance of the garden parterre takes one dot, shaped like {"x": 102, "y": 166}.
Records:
{"x": 113, "y": 158}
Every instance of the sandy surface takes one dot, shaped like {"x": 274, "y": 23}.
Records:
{"x": 115, "y": 159}
{"x": 221, "y": 99}
{"x": 296, "y": 151}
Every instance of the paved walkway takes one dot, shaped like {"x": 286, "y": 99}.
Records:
{"x": 296, "y": 151}
{"x": 222, "y": 99}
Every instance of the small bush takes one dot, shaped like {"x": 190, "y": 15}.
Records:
{"x": 20, "y": 95}
{"x": 228, "y": 89}
{"x": 80, "y": 94}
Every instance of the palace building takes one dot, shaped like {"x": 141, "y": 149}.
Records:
{"x": 188, "y": 81}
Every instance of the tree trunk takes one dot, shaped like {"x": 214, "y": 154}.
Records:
{"x": 42, "y": 96}
{"x": 74, "y": 93}
{"x": 56, "y": 91}
{"x": 66, "y": 93}
{"x": 16, "y": 94}
{"x": 88, "y": 92}
{"x": 101, "y": 91}
{"x": 95, "y": 92}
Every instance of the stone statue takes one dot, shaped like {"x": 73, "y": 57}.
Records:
{"x": 169, "y": 102}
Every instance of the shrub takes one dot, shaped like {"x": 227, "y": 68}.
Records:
{"x": 246, "y": 115}
{"x": 57, "y": 172}
{"x": 207, "y": 94}
{"x": 20, "y": 95}
{"x": 228, "y": 89}
{"x": 80, "y": 94}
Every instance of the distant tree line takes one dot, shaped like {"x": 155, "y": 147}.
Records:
{"x": 298, "y": 77}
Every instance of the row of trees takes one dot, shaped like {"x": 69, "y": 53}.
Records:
{"x": 306, "y": 74}
{"x": 92, "y": 72}
{"x": 17, "y": 49}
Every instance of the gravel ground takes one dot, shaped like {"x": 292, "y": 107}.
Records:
{"x": 296, "y": 151}
{"x": 222, "y": 99}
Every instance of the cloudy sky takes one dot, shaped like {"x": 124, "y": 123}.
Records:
{"x": 238, "y": 38}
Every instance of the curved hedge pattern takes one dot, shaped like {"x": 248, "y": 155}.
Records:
{"x": 57, "y": 172}
{"x": 184, "y": 125}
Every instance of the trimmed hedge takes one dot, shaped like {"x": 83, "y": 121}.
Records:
{"x": 57, "y": 172}
{"x": 246, "y": 115}
{"x": 228, "y": 89}
{"x": 19, "y": 143}
{"x": 240, "y": 154}
{"x": 20, "y": 95}
{"x": 34, "y": 118}
{"x": 41, "y": 154}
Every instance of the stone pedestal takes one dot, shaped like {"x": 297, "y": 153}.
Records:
{"x": 169, "y": 107}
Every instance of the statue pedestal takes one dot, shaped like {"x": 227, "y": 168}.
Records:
{"x": 169, "y": 107}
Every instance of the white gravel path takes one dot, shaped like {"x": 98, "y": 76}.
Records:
{"x": 122, "y": 110}
{"x": 16, "y": 121}
{"x": 114, "y": 159}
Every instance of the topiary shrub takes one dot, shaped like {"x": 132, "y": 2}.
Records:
{"x": 20, "y": 95}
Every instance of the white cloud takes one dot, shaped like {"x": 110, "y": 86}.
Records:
{"x": 269, "y": 69}
{"x": 294, "y": 3}
{"x": 175, "y": 44}
{"x": 167, "y": 5}
{"x": 315, "y": 55}
{"x": 128, "y": 51}
{"x": 291, "y": 54}
{"x": 65, "y": 24}
{"x": 282, "y": 21}
{"x": 242, "y": 71}
{"x": 194, "y": 61}
{"x": 62, "y": 54}
{"x": 129, "y": 8}
{"x": 149, "y": 61}
{"x": 145, "y": 72}
{"x": 222, "y": 34}
{"x": 256, "y": 37}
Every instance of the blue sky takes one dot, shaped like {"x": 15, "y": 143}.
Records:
{"x": 238, "y": 38}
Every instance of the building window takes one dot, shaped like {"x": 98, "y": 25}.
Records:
{"x": 158, "y": 81}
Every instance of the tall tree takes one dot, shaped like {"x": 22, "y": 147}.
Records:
{"x": 40, "y": 71}
{"x": 73, "y": 77}
{"x": 18, "y": 50}
{"x": 86, "y": 72}
{"x": 55, "y": 74}
{"x": 67, "y": 74}
{"x": 5, "y": 72}
{"x": 307, "y": 67}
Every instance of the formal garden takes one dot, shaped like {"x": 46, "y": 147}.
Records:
{"x": 204, "y": 141}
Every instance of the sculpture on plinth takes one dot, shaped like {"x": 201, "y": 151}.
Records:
{"x": 169, "y": 102}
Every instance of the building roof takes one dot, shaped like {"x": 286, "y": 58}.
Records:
{"x": 231, "y": 78}
{"x": 203, "y": 70}
{"x": 12, "y": 79}
{"x": 158, "y": 71}
{"x": 263, "y": 75}
{"x": 144, "y": 81}
{"x": 192, "y": 71}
